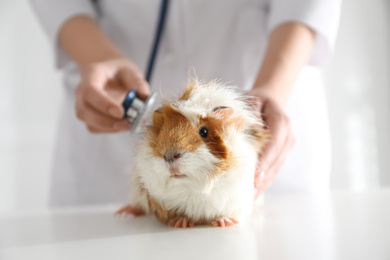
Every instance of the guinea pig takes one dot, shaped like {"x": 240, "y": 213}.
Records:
{"x": 196, "y": 162}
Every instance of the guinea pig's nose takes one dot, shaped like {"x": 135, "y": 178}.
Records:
{"x": 171, "y": 157}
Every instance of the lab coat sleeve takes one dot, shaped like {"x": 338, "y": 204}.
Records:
{"x": 54, "y": 13}
{"x": 320, "y": 15}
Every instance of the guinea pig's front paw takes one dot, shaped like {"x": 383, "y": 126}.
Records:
{"x": 181, "y": 222}
{"x": 129, "y": 210}
{"x": 224, "y": 222}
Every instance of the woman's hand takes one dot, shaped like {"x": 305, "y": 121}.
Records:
{"x": 106, "y": 76}
{"x": 280, "y": 142}
{"x": 288, "y": 50}
{"x": 102, "y": 89}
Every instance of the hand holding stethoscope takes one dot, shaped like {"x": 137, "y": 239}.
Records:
{"x": 103, "y": 87}
{"x": 108, "y": 83}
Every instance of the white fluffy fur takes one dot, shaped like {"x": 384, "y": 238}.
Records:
{"x": 199, "y": 195}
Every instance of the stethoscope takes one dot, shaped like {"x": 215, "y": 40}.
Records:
{"x": 135, "y": 109}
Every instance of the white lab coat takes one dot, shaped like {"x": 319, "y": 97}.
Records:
{"x": 218, "y": 39}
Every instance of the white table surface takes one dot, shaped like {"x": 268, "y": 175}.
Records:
{"x": 343, "y": 225}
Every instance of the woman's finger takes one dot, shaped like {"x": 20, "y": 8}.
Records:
{"x": 101, "y": 101}
{"x": 278, "y": 126}
{"x": 131, "y": 78}
{"x": 273, "y": 170}
{"x": 92, "y": 90}
{"x": 259, "y": 177}
{"x": 96, "y": 130}
{"x": 97, "y": 120}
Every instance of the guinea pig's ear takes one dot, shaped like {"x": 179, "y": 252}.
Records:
{"x": 158, "y": 117}
{"x": 226, "y": 114}
{"x": 159, "y": 110}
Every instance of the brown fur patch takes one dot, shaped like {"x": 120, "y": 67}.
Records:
{"x": 214, "y": 140}
{"x": 161, "y": 214}
{"x": 226, "y": 114}
{"x": 165, "y": 215}
{"x": 217, "y": 124}
{"x": 172, "y": 132}
{"x": 187, "y": 93}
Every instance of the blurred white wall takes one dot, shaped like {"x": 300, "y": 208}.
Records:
{"x": 357, "y": 85}
{"x": 358, "y": 93}
{"x": 30, "y": 93}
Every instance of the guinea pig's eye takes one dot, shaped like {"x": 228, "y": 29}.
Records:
{"x": 218, "y": 108}
{"x": 203, "y": 132}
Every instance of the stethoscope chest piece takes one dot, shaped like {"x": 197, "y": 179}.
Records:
{"x": 136, "y": 110}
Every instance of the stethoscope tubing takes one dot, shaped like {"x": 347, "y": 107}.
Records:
{"x": 131, "y": 95}
{"x": 157, "y": 39}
